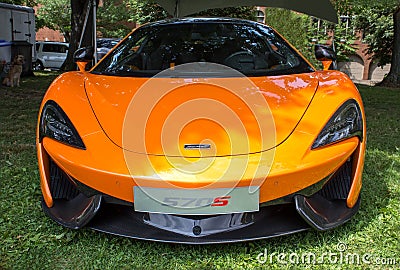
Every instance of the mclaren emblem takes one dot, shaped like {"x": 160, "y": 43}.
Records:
{"x": 197, "y": 146}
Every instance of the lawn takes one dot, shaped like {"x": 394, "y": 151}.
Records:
{"x": 30, "y": 240}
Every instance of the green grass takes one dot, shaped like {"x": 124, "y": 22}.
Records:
{"x": 30, "y": 240}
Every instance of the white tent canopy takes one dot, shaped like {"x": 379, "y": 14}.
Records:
{"x": 322, "y": 9}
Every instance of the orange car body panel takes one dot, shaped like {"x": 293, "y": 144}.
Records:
{"x": 288, "y": 98}
{"x": 295, "y": 166}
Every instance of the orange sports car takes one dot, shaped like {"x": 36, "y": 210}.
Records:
{"x": 201, "y": 130}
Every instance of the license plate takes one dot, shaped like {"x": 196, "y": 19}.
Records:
{"x": 196, "y": 201}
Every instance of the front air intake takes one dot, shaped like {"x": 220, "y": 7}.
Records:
{"x": 338, "y": 186}
{"x": 60, "y": 185}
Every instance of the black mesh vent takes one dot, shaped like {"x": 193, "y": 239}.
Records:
{"x": 339, "y": 185}
{"x": 60, "y": 186}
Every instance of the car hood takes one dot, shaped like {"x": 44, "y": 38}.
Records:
{"x": 199, "y": 117}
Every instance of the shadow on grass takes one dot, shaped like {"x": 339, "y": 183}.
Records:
{"x": 381, "y": 173}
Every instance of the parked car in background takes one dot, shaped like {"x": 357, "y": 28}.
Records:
{"x": 104, "y": 45}
{"x": 50, "y": 54}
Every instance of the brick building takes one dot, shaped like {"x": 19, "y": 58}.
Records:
{"x": 46, "y": 34}
{"x": 361, "y": 67}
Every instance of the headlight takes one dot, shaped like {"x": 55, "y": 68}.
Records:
{"x": 55, "y": 124}
{"x": 345, "y": 123}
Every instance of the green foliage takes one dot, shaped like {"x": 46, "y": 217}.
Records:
{"x": 377, "y": 26}
{"x": 29, "y": 3}
{"x": 381, "y": 35}
{"x": 344, "y": 40}
{"x": 60, "y": 20}
{"x": 373, "y": 3}
{"x": 112, "y": 18}
{"x": 340, "y": 35}
{"x": 343, "y": 7}
{"x": 248, "y": 13}
{"x": 293, "y": 27}
{"x": 143, "y": 11}
{"x": 304, "y": 31}
{"x": 344, "y": 34}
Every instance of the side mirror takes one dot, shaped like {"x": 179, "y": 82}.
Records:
{"x": 83, "y": 56}
{"x": 325, "y": 54}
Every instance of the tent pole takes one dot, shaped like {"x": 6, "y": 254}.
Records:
{"x": 95, "y": 31}
{"x": 176, "y": 15}
{"x": 85, "y": 24}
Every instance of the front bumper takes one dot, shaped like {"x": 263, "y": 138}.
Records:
{"x": 321, "y": 207}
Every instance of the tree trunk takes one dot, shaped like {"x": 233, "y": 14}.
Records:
{"x": 67, "y": 36}
{"x": 393, "y": 78}
{"x": 78, "y": 14}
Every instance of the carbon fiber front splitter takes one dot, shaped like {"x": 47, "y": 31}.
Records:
{"x": 269, "y": 222}
{"x": 321, "y": 207}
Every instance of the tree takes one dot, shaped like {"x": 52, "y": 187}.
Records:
{"x": 68, "y": 19}
{"x": 111, "y": 21}
{"x": 112, "y": 18}
{"x": 294, "y": 27}
{"x": 248, "y": 12}
{"x": 59, "y": 21}
{"x": 147, "y": 11}
{"x": 304, "y": 31}
{"x": 374, "y": 32}
{"x": 377, "y": 31}
{"x": 78, "y": 14}
{"x": 29, "y": 3}
{"x": 144, "y": 11}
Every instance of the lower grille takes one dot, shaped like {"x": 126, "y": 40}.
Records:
{"x": 338, "y": 186}
{"x": 60, "y": 185}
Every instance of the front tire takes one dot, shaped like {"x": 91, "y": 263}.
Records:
{"x": 37, "y": 66}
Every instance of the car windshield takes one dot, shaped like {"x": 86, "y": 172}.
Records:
{"x": 250, "y": 48}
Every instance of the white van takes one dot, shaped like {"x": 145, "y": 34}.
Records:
{"x": 50, "y": 54}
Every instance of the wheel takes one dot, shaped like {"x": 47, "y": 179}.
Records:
{"x": 38, "y": 66}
